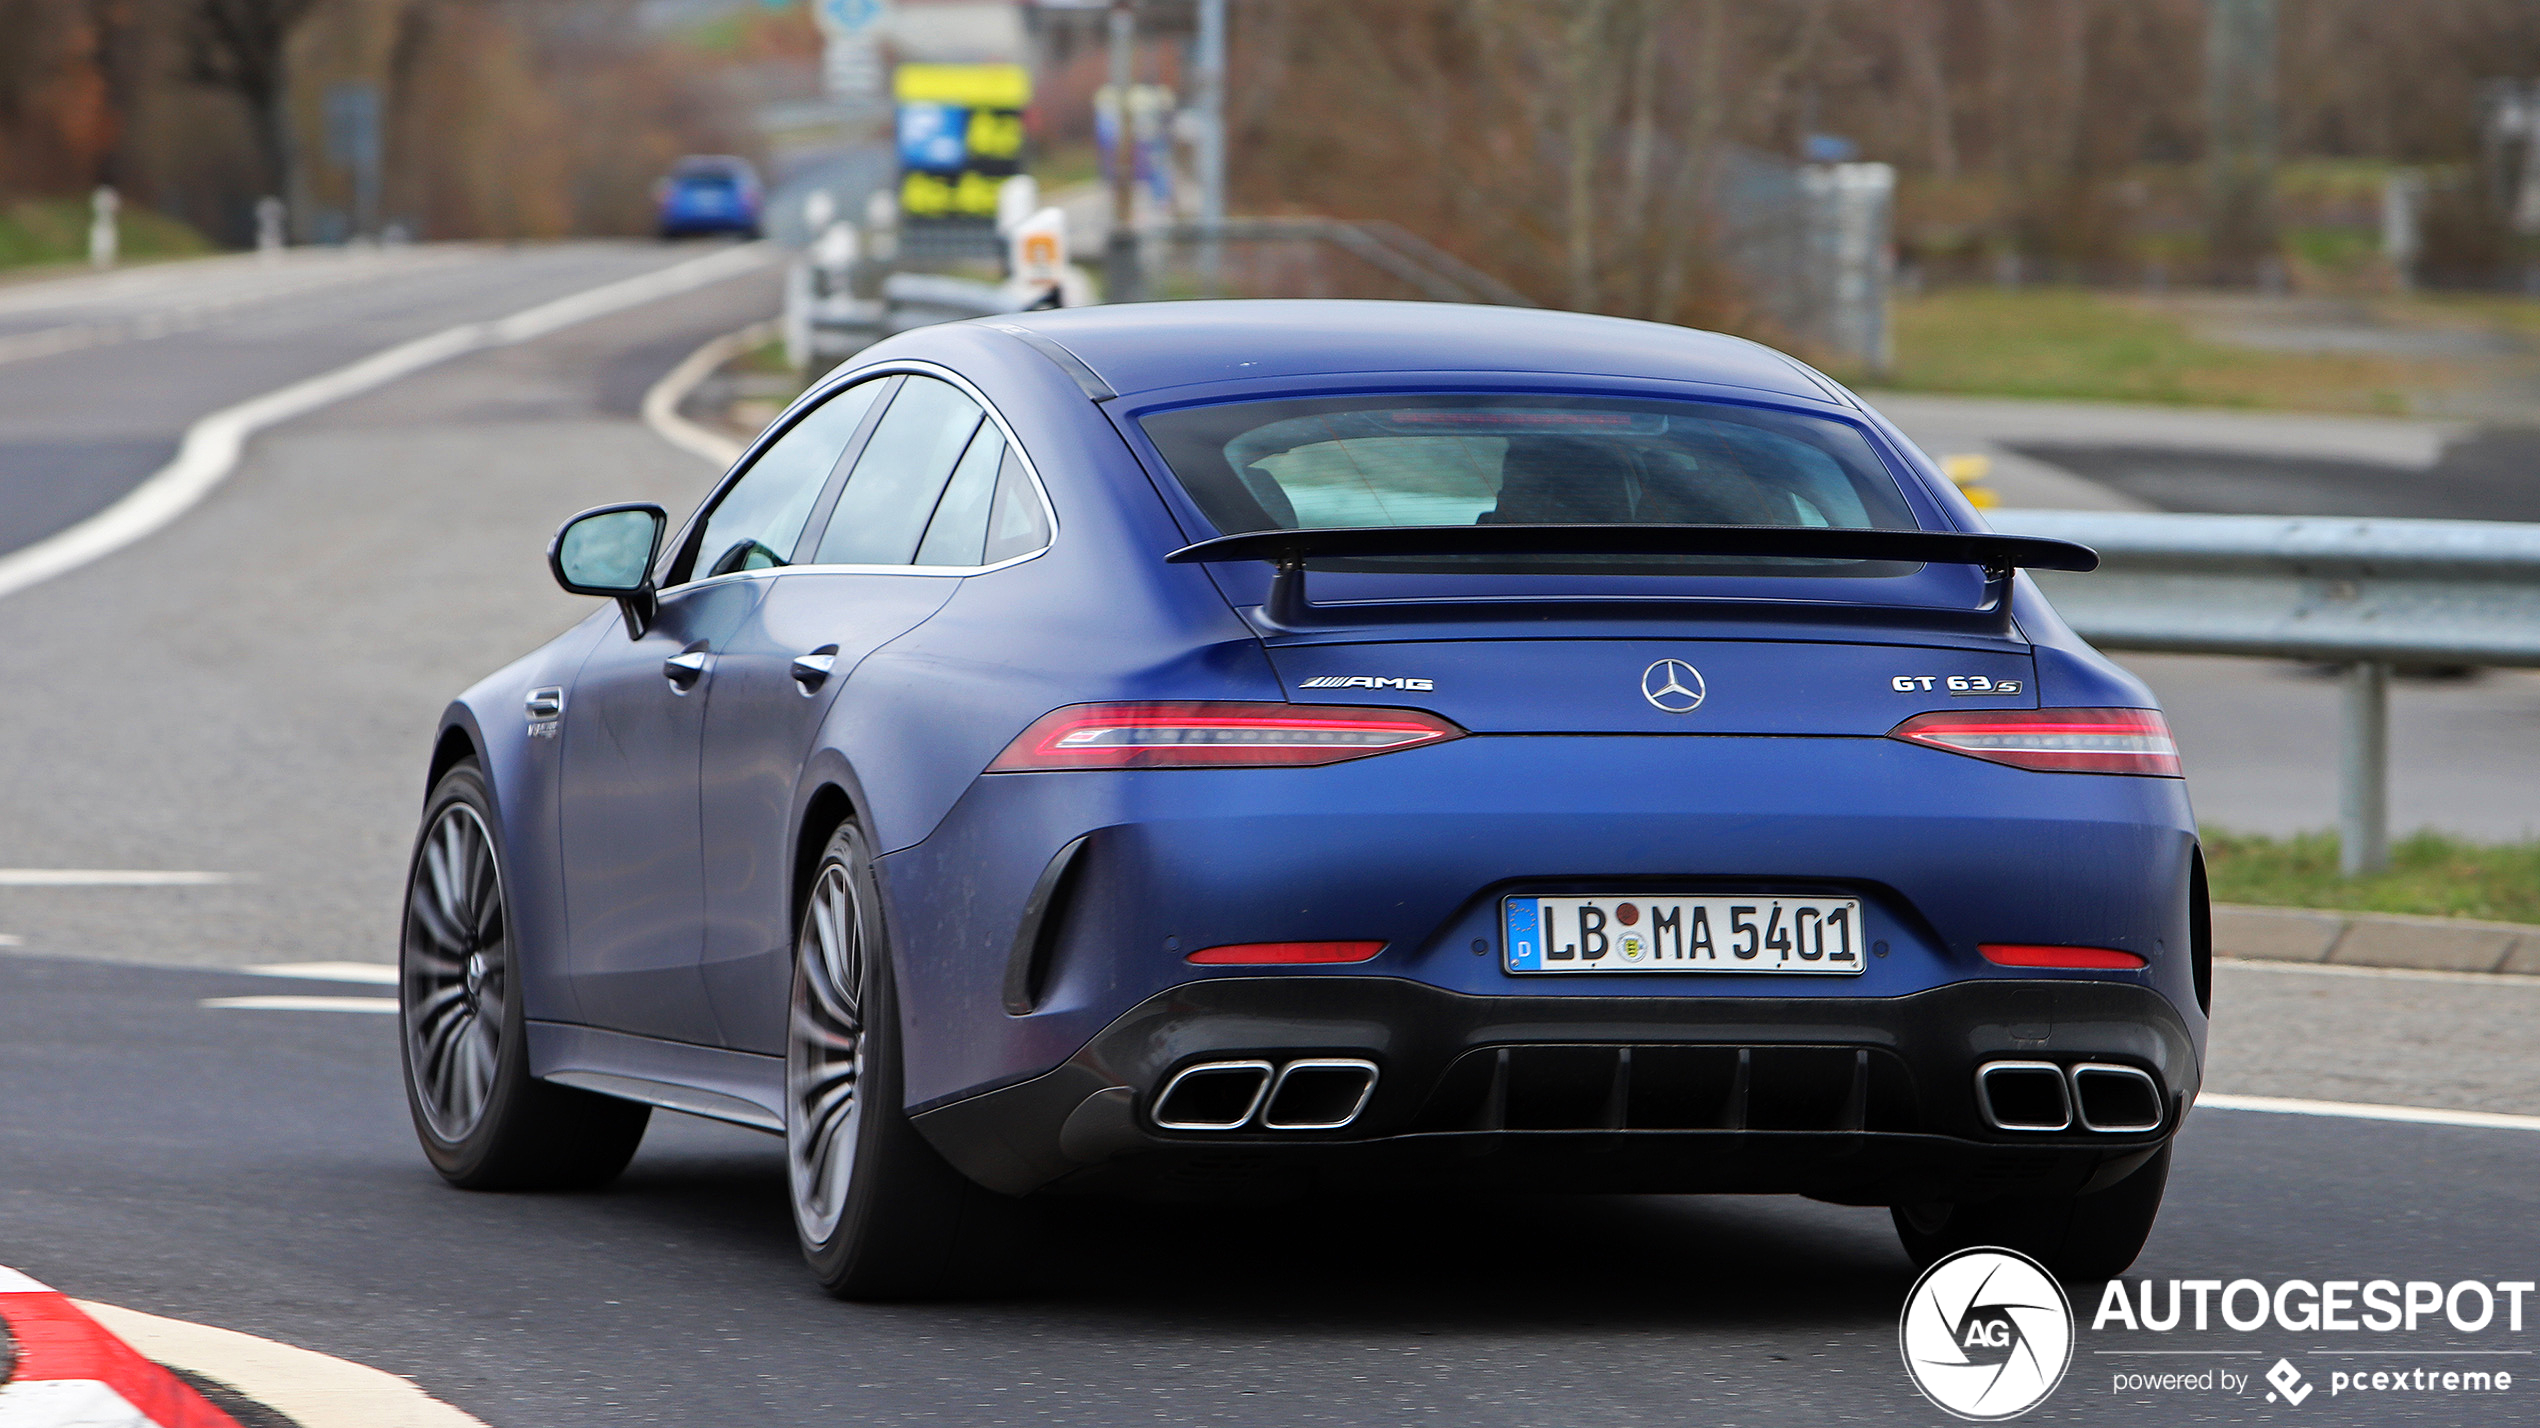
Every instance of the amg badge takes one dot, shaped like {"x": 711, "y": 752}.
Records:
{"x": 1367, "y": 681}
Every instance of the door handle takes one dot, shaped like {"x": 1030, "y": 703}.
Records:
{"x": 683, "y": 670}
{"x": 811, "y": 670}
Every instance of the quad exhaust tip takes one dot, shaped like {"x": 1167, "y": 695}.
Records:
{"x": 1213, "y": 1096}
{"x": 2043, "y": 1097}
{"x": 1311, "y": 1094}
{"x": 2117, "y": 1099}
{"x": 1322, "y": 1094}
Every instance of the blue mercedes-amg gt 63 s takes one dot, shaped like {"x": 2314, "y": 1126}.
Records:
{"x": 1260, "y": 748}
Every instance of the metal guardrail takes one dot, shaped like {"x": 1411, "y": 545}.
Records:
{"x": 1431, "y": 271}
{"x": 2363, "y": 593}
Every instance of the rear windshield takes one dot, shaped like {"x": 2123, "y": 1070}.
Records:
{"x": 1523, "y": 459}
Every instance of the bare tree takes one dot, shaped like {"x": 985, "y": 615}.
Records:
{"x": 243, "y": 46}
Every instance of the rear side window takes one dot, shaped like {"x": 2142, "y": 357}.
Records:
{"x": 959, "y": 530}
{"x": 758, "y": 519}
{"x": 1526, "y": 459}
{"x": 1019, "y": 525}
{"x": 892, "y": 492}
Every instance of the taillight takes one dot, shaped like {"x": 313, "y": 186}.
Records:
{"x": 1215, "y": 735}
{"x": 2023, "y": 954}
{"x": 1262, "y": 954}
{"x": 2125, "y": 741}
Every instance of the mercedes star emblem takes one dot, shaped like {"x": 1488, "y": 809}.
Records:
{"x": 1672, "y": 685}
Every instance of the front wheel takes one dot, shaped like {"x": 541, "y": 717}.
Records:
{"x": 2080, "y": 1237}
{"x": 879, "y": 1213}
{"x": 485, "y": 1122}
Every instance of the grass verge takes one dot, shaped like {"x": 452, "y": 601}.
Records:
{"x": 2430, "y": 873}
{"x": 55, "y": 230}
{"x": 2075, "y": 345}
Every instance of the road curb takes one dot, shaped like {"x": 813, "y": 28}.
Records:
{"x": 66, "y": 1368}
{"x": 662, "y": 400}
{"x": 2334, "y": 937}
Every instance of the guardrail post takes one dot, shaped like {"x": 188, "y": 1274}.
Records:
{"x": 2363, "y": 771}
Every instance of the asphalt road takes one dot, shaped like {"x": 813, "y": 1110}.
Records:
{"x": 250, "y": 692}
{"x": 100, "y": 376}
{"x": 254, "y": 1170}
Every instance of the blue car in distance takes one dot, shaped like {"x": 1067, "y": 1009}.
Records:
{"x": 1267, "y": 748}
{"x": 707, "y": 194}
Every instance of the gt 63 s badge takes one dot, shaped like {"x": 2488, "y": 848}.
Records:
{"x": 1962, "y": 685}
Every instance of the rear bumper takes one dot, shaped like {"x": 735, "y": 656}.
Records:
{"x": 1865, "y": 1101}
{"x": 1419, "y": 849}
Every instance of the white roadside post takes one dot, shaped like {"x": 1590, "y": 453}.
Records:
{"x": 103, "y": 241}
{"x": 1018, "y": 198}
{"x": 1037, "y": 251}
{"x": 269, "y": 215}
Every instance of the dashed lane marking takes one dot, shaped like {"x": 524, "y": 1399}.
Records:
{"x": 2361, "y": 1111}
{"x": 380, "y": 1005}
{"x": 378, "y": 974}
{"x": 109, "y": 878}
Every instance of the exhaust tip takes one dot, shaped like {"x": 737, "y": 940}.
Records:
{"x": 2024, "y": 1096}
{"x": 1324, "y": 1094}
{"x": 1212, "y": 1096}
{"x": 2117, "y": 1099}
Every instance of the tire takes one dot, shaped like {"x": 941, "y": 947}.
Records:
{"x": 2080, "y": 1237}
{"x": 484, "y": 1122}
{"x": 879, "y": 1213}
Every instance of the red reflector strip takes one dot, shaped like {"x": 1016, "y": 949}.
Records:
{"x": 1267, "y": 953}
{"x": 2128, "y": 741}
{"x": 2021, "y": 954}
{"x": 1217, "y": 734}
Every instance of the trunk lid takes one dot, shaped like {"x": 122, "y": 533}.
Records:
{"x": 1659, "y": 685}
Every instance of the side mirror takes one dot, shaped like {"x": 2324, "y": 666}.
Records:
{"x": 609, "y": 550}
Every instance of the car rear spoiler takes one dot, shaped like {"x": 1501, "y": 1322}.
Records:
{"x": 1288, "y": 550}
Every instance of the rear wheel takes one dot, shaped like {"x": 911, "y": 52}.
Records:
{"x": 2079, "y": 1237}
{"x": 485, "y": 1123}
{"x": 879, "y": 1213}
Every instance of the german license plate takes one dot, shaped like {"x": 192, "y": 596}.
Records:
{"x": 1630, "y": 932}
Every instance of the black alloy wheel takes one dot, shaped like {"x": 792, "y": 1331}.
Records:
{"x": 484, "y": 1122}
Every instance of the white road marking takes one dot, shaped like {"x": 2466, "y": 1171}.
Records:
{"x": 661, "y": 401}
{"x": 378, "y": 974}
{"x": 310, "y": 1388}
{"x": 108, "y": 878}
{"x": 68, "y": 1403}
{"x": 212, "y": 445}
{"x": 381, "y": 1005}
{"x": 2406, "y": 974}
{"x": 2360, "y": 1111}
{"x": 11, "y": 939}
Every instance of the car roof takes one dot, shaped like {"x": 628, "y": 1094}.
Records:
{"x": 1147, "y": 347}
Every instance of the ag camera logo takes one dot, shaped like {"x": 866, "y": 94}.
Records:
{"x": 1986, "y": 1334}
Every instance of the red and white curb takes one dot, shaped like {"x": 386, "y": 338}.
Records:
{"x": 84, "y": 1365}
{"x": 71, "y": 1373}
